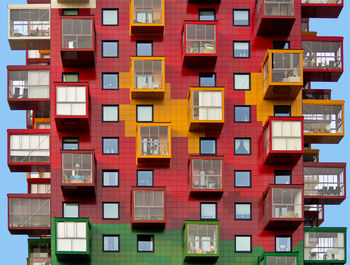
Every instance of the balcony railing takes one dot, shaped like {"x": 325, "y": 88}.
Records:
{"x": 39, "y": 261}
{"x": 200, "y": 38}
{"x": 278, "y": 258}
{"x": 323, "y": 2}
{"x": 206, "y": 174}
{"x": 77, "y": 168}
{"x": 77, "y": 33}
{"x": 276, "y": 7}
{"x": 147, "y": 12}
{"x": 148, "y": 205}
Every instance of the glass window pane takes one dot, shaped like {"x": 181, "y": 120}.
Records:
{"x": 208, "y": 146}
{"x": 109, "y": 48}
{"x": 145, "y": 243}
{"x": 144, "y": 48}
{"x": 70, "y": 12}
{"x": 110, "y": 113}
{"x": 241, "y": 81}
{"x": 243, "y": 244}
{"x": 110, "y": 145}
{"x": 242, "y": 146}
{"x": 207, "y": 80}
{"x": 241, "y": 17}
{"x": 110, "y": 81}
{"x": 242, "y": 178}
{"x": 282, "y": 110}
{"x": 110, "y": 17}
{"x": 241, "y": 49}
{"x": 111, "y": 178}
{"x": 111, "y": 243}
{"x": 282, "y": 177}
{"x": 70, "y": 143}
{"x": 283, "y": 243}
{"x": 144, "y": 113}
{"x": 144, "y": 178}
{"x": 70, "y": 77}
{"x": 242, "y": 113}
{"x": 208, "y": 15}
{"x": 208, "y": 210}
{"x": 242, "y": 211}
{"x": 110, "y": 210}
{"x": 70, "y": 210}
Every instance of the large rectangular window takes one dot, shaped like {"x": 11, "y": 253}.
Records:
{"x": 207, "y": 105}
{"x": 145, "y": 243}
{"x": 77, "y": 33}
{"x": 243, "y": 211}
{"x": 71, "y": 236}
{"x": 207, "y": 79}
{"x": 110, "y": 210}
{"x": 207, "y": 146}
{"x": 243, "y": 179}
{"x": 283, "y": 243}
{"x": 243, "y": 243}
{"x": 110, "y": 80}
{"x": 110, "y": 178}
{"x": 71, "y": 210}
{"x": 110, "y": 113}
{"x": 110, "y": 17}
{"x": 241, "y": 17}
{"x": 208, "y": 211}
{"x": 110, "y": 145}
{"x": 242, "y": 146}
{"x": 71, "y": 100}
{"x": 110, "y": 49}
{"x": 145, "y": 178}
{"x": 111, "y": 243}
{"x": 242, "y": 114}
{"x": 241, "y": 81}
{"x": 241, "y": 49}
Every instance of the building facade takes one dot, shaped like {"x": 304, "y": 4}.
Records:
{"x": 175, "y": 132}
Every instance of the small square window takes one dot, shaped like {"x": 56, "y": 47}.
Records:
{"x": 70, "y": 77}
{"x": 243, "y": 211}
{"x": 145, "y": 243}
{"x": 207, "y": 146}
{"x": 144, "y": 178}
{"x": 208, "y": 210}
{"x": 243, "y": 178}
{"x": 283, "y": 243}
{"x": 110, "y": 113}
{"x": 111, "y": 243}
{"x": 70, "y": 12}
{"x": 110, "y": 17}
{"x": 242, "y": 146}
{"x": 70, "y": 143}
{"x": 207, "y": 79}
{"x": 282, "y": 110}
{"x": 110, "y": 178}
{"x": 110, "y": 48}
{"x": 241, "y": 17}
{"x": 206, "y": 14}
{"x": 70, "y": 210}
{"x": 242, "y": 114}
{"x": 241, "y": 81}
{"x": 281, "y": 45}
{"x": 241, "y": 49}
{"x": 144, "y": 48}
{"x": 110, "y": 210}
{"x": 243, "y": 243}
{"x": 144, "y": 113}
{"x": 110, "y": 146}
{"x": 283, "y": 177}
{"x": 110, "y": 81}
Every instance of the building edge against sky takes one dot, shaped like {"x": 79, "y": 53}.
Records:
{"x": 175, "y": 137}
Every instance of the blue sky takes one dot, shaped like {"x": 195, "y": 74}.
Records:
{"x": 13, "y": 249}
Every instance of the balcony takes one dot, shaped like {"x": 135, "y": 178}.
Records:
{"x": 283, "y": 140}
{"x": 313, "y": 215}
{"x": 321, "y": 8}
{"x": 278, "y": 258}
{"x": 199, "y": 43}
{"x": 147, "y": 17}
{"x": 147, "y": 77}
{"x": 319, "y": 94}
{"x": 38, "y": 57}
{"x": 39, "y": 185}
{"x": 205, "y": 176}
{"x": 283, "y": 206}
{"x": 72, "y": 238}
{"x": 274, "y": 17}
{"x": 30, "y": 119}
{"x": 72, "y": 106}
{"x": 28, "y": 87}
{"x": 29, "y": 27}
{"x": 201, "y": 240}
{"x": 324, "y": 183}
{"x": 311, "y": 155}
{"x": 78, "y": 172}
{"x": 324, "y": 245}
{"x": 323, "y": 58}
{"x": 206, "y": 108}
{"x": 28, "y": 150}
{"x": 323, "y": 121}
{"x": 282, "y": 74}
{"x": 148, "y": 207}
{"x": 29, "y": 214}
{"x": 39, "y": 251}
{"x": 154, "y": 144}
{"x": 78, "y": 41}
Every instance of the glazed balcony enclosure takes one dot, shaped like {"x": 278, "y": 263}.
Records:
{"x": 282, "y": 74}
{"x": 283, "y": 206}
{"x": 205, "y": 175}
{"x": 323, "y": 121}
{"x": 206, "y": 108}
{"x": 278, "y": 258}
{"x": 153, "y": 143}
{"x": 78, "y": 41}
{"x": 78, "y": 172}
{"x": 29, "y": 26}
{"x": 313, "y": 214}
{"x": 148, "y": 207}
{"x": 38, "y": 57}
{"x": 319, "y": 94}
{"x": 29, "y": 214}
{"x": 72, "y": 106}
{"x": 201, "y": 240}
{"x": 199, "y": 43}
{"x": 274, "y": 17}
{"x": 39, "y": 251}
{"x": 147, "y": 77}
{"x": 147, "y": 17}
{"x": 324, "y": 245}
{"x": 321, "y": 8}
{"x": 28, "y": 87}
{"x": 72, "y": 238}
{"x": 323, "y": 58}
{"x": 283, "y": 140}
{"x": 324, "y": 183}
{"x": 28, "y": 150}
